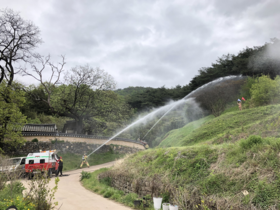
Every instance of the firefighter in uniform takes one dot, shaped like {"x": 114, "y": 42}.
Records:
{"x": 84, "y": 160}
{"x": 60, "y": 166}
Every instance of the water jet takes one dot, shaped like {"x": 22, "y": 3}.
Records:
{"x": 169, "y": 107}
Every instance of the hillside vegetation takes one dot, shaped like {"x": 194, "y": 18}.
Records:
{"x": 228, "y": 162}
{"x": 175, "y": 138}
{"x": 229, "y": 127}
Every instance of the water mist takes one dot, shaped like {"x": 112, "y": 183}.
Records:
{"x": 167, "y": 108}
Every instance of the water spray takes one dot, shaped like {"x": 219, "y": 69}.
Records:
{"x": 176, "y": 103}
{"x": 188, "y": 96}
{"x": 211, "y": 83}
{"x": 164, "y": 107}
{"x": 136, "y": 122}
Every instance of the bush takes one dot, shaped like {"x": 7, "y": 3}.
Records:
{"x": 19, "y": 202}
{"x": 40, "y": 194}
{"x": 109, "y": 193}
{"x": 34, "y": 140}
{"x": 107, "y": 181}
{"x": 85, "y": 175}
{"x": 17, "y": 187}
{"x": 251, "y": 142}
{"x": 129, "y": 198}
{"x": 265, "y": 90}
{"x": 12, "y": 190}
{"x": 165, "y": 197}
{"x": 12, "y": 195}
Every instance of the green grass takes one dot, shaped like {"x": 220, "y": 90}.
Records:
{"x": 13, "y": 196}
{"x": 72, "y": 161}
{"x": 226, "y": 127}
{"x": 176, "y": 137}
{"x": 215, "y": 171}
{"x": 91, "y": 182}
{"x": 216, "y": 159}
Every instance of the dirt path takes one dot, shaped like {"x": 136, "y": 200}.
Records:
{"x": 73, "y": 196}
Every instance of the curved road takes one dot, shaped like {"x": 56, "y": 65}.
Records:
{"x": 71, "y": 195}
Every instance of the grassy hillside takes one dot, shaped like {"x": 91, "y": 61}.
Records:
{"x": 215, "y": 175}
{"x": 176, "y": 137}
{"x": 228, "y": 127}
{"x": 228, "y": 162}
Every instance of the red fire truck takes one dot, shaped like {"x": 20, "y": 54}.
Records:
{"x": 43, "y": 161}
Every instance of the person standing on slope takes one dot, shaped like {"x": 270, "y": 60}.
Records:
{"x": 84, "y": 160}
{"x": 239, "y": 104}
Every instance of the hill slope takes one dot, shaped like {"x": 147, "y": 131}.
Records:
{"x": 230, "y": 126}
{"x": 229, "y": 162}
{"x": 175, "y": 138}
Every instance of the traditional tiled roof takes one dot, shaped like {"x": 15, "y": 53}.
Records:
{"x": 39, "y": 128}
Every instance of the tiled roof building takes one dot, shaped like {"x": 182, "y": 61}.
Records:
{"x": 49, "y": 128}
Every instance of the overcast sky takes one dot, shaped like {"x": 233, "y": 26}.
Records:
{"x": 148, "y": 42}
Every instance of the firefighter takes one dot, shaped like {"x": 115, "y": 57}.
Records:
{"x": 239, "y": 104}
{"x": 145, "y": 144}
{"x": 60, "y": 166}
{"x": 84, "y": 160}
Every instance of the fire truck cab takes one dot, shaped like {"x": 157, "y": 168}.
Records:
{"x": 43, "y": 161}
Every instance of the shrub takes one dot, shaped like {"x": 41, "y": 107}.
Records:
{"x": 19, "y": 202}
{"x": 85, "y": 175}
{"x": 109, "y": 193}
{"x": 250, "y": 142}
{"x": 34, "y": 140}
{"x": 40, "y": 194}
{"x": 17, "y": 187}
{"x": 116, "y": 196}
{"x": 165, "y": 197}
{"x": 12, "y": 195}
{"x": 129, "y": 198}
{"x": 107, "y": 181}
{"x": 265, "y": 90}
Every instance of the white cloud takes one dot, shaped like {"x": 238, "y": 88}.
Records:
{"x": 149, "y": 43}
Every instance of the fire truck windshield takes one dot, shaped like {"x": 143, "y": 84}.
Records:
{"x": 13, "y": 161}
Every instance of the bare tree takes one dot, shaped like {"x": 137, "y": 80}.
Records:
{"x": 18, "y": 38}
{"x": 96, "y": 78}
{"x": 37, "y": 73}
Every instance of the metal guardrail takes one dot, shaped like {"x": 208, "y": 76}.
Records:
{"x": 77, "y": 136}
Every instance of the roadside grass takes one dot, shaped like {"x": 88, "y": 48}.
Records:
{"x": 11, "y": 194}
{"x": 231, "y": 126}
{"x": 217, "y": 172}
{"x": 73, "y": 161}
{"x": 91, "y": 182}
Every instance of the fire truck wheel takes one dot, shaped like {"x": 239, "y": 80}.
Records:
{"x": 50, "y": 173}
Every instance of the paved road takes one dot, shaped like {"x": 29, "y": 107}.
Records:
{"x": 73, "y": 196}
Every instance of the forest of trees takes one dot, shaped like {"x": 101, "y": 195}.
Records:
{"x": 87, "y": 95}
